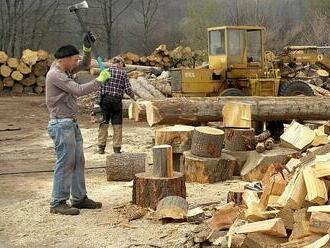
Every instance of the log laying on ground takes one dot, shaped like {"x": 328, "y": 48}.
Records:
{"x": 199, "y": 109}
{"x": 239, "y": 139}
{"x": 178, "y": 136}
{"x": 207, "y": 142}
{"x": 140, "y": 91}
{"x": 173, "y": 207}
{"x": 149, "y": 190}
{"x": 208, "y": 170}
{"x": 162, "y": 86}
{"x": 123, "y": 167}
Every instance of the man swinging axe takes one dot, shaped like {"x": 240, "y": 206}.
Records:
{"x": 61, "y": 99}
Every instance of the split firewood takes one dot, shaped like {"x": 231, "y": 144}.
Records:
{"x": 225, "y": 216}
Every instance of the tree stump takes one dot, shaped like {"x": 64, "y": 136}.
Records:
{"x": 239, "y": 139}
{"x": 162, "y": 161}
{"x": 149, "y": 190}
{"x": 178, "y": 136}
{"x": 208, "y": 170}
{"x": 207, "y": 142}
{"x": 123, "y": 166}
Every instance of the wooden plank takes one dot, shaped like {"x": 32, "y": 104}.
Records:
{"x": 316, "y": 189}
{"x": 319, "y": 222}
{"x": 237, "y": 114}
{"x": 297, "y": 136}
{"x": 162, "y": 161}
{"x": 321, "y": 242}
{"x": 324, "y": 208}
{"x": 322, "y": 165}
{"x": 274, "y": 227}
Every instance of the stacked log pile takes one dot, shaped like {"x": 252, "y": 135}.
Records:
{"x": 162, "y": 57}
{"x": 25, "y": 74}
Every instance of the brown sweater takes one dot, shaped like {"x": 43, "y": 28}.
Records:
{"x": 62, "y": 91}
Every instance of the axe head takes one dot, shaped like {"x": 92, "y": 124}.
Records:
{"x": 77, "y": 6}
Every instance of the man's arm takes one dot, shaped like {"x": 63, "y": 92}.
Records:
{"x": 62, "y": 81}
{"x": 127, "y": 87}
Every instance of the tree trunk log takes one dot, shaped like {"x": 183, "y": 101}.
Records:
{"x": 140, "y": 91}
{"x": 38, "y": 89}
{"x": 208, "y": 170}
{"x": 239, "y": 139}
{"x": 207, "y": 142}
{"x": 149, "y": 190}
{"x": 149, "y": 87}
{"x": 178, "y": 136}
{"x": 41, "y": 81}
{"x": 17, "y": 75}
{"x": 31, "y": 80}
{"x": 29, "y": 57}
{"x": 23, "y": 68}
{"x": 40, "y": 68}
{"x": 162, "y": 161}
{"x": 124, "y": 166}
{"x": 8, "y": 82}
{"x": 3, "y": 57}
{"x": 200, "y": 109}
{"x": 13, "y": 62}
{"x": 5, "y": 71}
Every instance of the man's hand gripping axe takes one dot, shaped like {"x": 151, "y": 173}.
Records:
{"x": 76, "y": 9}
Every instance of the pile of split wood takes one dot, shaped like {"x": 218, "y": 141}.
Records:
{"x": 162, "y": 57}
{"x": 25, "y": 74}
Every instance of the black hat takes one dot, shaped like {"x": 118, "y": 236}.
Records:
{"x": 66, "y": 51}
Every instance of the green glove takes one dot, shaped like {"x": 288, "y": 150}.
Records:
{"x": 103, "y": 77}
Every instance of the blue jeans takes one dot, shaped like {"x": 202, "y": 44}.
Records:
{"x": 69, "y": 171}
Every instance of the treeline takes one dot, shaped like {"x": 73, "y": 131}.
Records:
{"x": 140, "y": 26}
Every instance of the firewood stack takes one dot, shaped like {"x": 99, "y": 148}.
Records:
{"x": 164, "y": 58}
{"x": 25, "y": 74}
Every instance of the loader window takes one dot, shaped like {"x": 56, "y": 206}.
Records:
{"x": 217, "y": 42}
{"x": 236, "y": 46}
{"x": 254, "y": 46}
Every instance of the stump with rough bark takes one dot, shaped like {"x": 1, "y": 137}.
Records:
{"x": 148, "y": 190}
{"x": 207, "y": 142}
{"x": 237, "y": 139}
{"x": 178, "y": 136}
{"x": 208, "y": 170}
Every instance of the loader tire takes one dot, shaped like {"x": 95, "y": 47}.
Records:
{"x": 232, "y": 92}
{"x": 295, "y": 88}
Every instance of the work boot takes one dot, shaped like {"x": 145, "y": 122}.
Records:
{"x": 102, "y": 136}
{"x": 101, "y": 149}
{"x": 117, "y": 149}
{"x": 87, "y": 204}
{"x": 64, "y": 209}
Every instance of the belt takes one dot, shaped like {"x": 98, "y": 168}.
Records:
{"x": 62, "y": 119}
{"x": 117, "y": 97}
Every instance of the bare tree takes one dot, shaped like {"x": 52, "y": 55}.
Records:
{"x": 111, "y": 10}
{"x": 146, "y": 11}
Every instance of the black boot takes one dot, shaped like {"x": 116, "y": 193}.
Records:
{"x": 117, "y": 149}
{"x": 101, "y": 149}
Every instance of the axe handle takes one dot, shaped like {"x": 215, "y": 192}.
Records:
{"x": 94, "y": 50}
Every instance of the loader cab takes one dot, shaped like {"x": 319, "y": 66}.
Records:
{"x": 236, "y": 51}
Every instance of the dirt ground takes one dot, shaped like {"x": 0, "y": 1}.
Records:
{"x": 25, "y": 220}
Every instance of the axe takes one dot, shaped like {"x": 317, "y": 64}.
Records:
{"x": 76, "y": 9}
